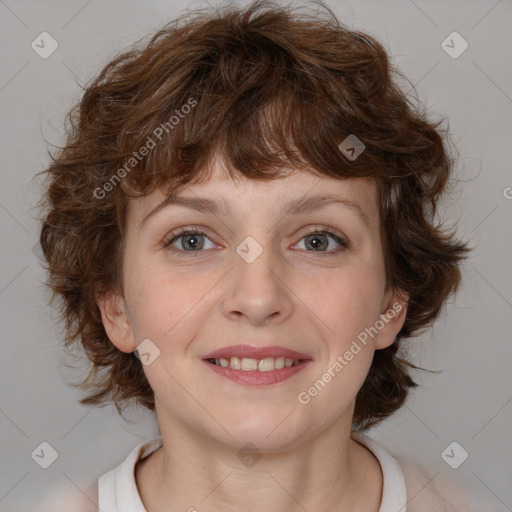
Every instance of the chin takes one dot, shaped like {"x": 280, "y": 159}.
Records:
{"x": 267, "y": 430}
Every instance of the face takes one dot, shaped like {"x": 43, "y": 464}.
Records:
{"x": 273, "y": 273}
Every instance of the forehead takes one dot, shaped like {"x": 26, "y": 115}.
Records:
{"x": 296, "y": 191}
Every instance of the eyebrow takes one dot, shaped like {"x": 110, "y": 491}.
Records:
{"x": 299, "y": 205}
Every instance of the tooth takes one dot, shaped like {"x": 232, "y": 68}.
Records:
{"x": 266, "y": 364}
{"x": 279, "y": 363}
{"x": 249, "y": 364}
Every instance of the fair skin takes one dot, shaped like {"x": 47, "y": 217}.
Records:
{"x": 312, "y": 301}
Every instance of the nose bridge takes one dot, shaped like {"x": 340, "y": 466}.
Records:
{"x": 256, "y": 261}
{"x": 256, "y": 264}
{"x": 257, "y": 292}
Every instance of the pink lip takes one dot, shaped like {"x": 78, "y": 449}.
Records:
{"x": 255, "y": 353}
{"x": 255, "y": 377}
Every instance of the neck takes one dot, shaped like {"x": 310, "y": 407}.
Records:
{"x": 330, "y": 472}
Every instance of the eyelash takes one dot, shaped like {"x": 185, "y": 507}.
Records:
{"x": 323, "y": 230}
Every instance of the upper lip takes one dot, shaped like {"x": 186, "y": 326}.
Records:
{"x": 252, "y": 352}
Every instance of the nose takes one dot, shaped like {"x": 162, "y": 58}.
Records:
{"x": 257, "y": 291}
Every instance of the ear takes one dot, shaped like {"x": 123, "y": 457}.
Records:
{"x": 393, "y": 314}
{"x": 114, "y": 315}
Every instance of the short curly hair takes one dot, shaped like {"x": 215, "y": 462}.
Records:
{"x": 267, "y": 88}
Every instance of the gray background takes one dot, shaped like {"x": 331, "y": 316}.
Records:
{"x": 469, "y": 402}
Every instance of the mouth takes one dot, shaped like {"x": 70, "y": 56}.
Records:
{"x": 255, "y": 366}
{"x": 248, "y": 364}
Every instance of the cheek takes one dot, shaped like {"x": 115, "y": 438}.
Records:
{"x": 350, "y": 308}
{"x": 163, "y": 301}
{"x": 348, "y": 301}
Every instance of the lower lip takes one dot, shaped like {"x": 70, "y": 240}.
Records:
{"x": 255, "y": 377}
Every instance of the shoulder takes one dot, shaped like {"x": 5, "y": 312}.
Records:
{"x": 83, "y": 499}
{"x": 431, "y": 491}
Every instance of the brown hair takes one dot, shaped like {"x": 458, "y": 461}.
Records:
{"x": 267, "y": 89}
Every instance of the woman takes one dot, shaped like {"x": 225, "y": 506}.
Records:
{"x": 241, "y": 227}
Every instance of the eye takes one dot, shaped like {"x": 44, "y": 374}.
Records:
{"x": 320, "y": 239}
{"x": 190, "y": 241}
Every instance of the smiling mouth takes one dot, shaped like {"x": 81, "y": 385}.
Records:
{"x": 247, "y": 364}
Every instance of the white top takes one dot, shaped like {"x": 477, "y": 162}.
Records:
{"x": 408, "y": 487}
{"x": 118, "y": 491}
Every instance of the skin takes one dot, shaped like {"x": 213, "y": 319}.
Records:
{"x": 292, "y": 296}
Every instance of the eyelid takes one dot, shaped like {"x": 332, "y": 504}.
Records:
{"x": 319, "y": 228}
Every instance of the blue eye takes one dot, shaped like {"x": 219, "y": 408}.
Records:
{"x": 318, "y": 241}
{"x": 191, "y": 242}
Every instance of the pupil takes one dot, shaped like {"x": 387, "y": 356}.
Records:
{"x": 193, "y": 241}
{"x": 315, "y": 241}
